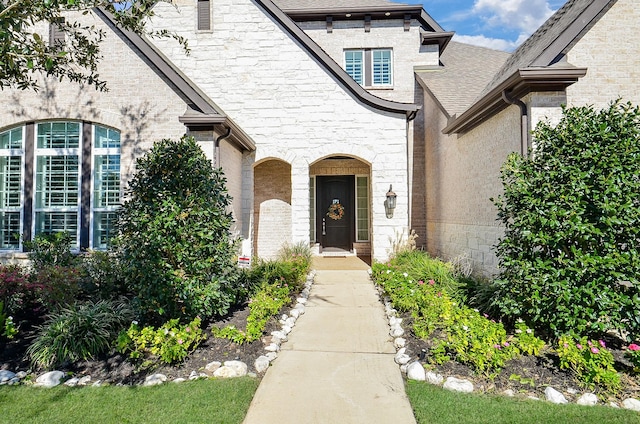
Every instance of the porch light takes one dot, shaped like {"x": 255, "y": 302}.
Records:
{"x": 390, "y": 203}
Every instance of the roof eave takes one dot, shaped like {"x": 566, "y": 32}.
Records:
{"x": 199, "y": 121}
{"x": 439, "y": 38}
{"x": 519, "y": 84}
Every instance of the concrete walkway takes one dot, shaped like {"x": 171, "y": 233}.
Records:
{"x": 337, "y": 366}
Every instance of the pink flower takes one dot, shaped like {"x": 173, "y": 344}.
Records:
{"x": 420, "y": 282}
{"x": 505, "y": 344}
{"x": 431, "y": 282}
{"x": 602, "y": 343}
{"x": 594, "y": 350}
{"x": 579, "y": 346}
{"x": 634, "y": 347}
{"x": 188, "y": 329}
{"x": 180, "y": 341}
{"x": 439, "y": 294}
{"x": 497, "y": 346}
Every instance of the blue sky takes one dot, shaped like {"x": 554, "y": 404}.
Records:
{"x": 498, "y": 24}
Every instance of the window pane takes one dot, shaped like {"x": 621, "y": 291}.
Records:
{"x": 57, "y": 182}
{"x": 106, "y": 138}
{"x": 312, "y": 209}
{"x": 353, "y": 63}
{"x": 106, "y": 186}
{"x": 52, "y": 222}
{"x": 381, "y": 67}
{"x": 362, "y": 208}
{"x": 58, "y": 135}
{"x": 11, "y": 139}
{"x": 103, "y": 228}
{"x": 10, "y": 181}
{"x": 9, "y": 230}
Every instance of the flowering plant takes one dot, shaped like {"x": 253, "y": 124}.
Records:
{"x": 590, "y": 361}
{"x": 633, "y": 353}
{"x": 336, "y": 211}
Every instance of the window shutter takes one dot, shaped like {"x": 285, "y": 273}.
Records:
{"x": 56, "y": 35}
{"x": 204, "y": 15}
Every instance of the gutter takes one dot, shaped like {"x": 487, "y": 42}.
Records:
{"x": 524, "y": 120}
{"x": 216, "y": 147}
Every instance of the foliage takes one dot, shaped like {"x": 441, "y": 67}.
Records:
{"x": 299, "y": 250}
{"x": 633, "y": 353}
{"x": 590, "y": 361}
{"x": 8, "y": 328}
{"x": 52, "y": 249}
{"x": 570, "y": 255}
{"x": 55, "y": 286}
{"x": 174, "y": 240}
{"x": 268, "y": 300}
{"x": 462, "y": 333}
{"x": 399, "y": 244}
{"x": 170, "y": 343}
{"x": 24, "y": 52}
{"x": 14, "y": 288}
{"x": 103, "y": 277}
{"x": 78, "y": 332}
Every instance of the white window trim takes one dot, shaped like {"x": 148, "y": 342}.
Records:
{"x": 23, "y": 170}
{"x": 367, "y": 66}
{"x": 358, "y": 240}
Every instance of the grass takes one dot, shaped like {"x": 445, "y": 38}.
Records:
{"x": 434, "y": 405}
{"x": 201, "y": 401}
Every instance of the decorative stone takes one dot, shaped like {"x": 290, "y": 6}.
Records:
{"x": 433, "y": 378}
{"x": 291, "y": 322}
{"x": 572, "y": 391}
{"x": 50, "y": 379}
{"x": 300, "y": 308}
{"x": 632, "y": 404}
{"x": 509, "y": 393}
{"x": 193, "y": 375}
{"x": 179, "y": 380}
{"x": 6, "y": 375}
{"x": 21, "y": 374}
{"x": 261, "y": 364}
{"x": 401, "y": 357}
{"x": 98, "y": 383}
{"x": 280, "y": 335}
{"x": 613, "y": 405}
{"x": 271, "y": 356}
{"x": 415, "y": 371}
{"x": 458, "y": 385}
{"x": 396, "y": 332}
{"x": 301, "y": 300}
{"x": 294, "y": 313}
{"x": 531, "y": 397}
{"x": 154, "y": 380}
{"x": 72, "y": 382}
{"x": 286, "y": 329}
{"x": 212, "y": 366}
{"x": 225, "y": 372}
{"x": 238, "y": 366}
{"x": 399, "y": 342}
{"x": 272, "y": 348}
{"x": 394, "y": 322}
{"x": 587, "y": 399}
{"x": 84, "y": 380}
{"x": 554, "y": 396}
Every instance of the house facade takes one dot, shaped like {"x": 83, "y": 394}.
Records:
{"x": 320, "y": 115}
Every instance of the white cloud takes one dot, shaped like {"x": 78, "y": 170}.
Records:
{"x": 523, "y": 15}
{"x": 482, "y": 41}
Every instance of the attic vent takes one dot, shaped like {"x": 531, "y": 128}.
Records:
{"x": 204, "y": 15}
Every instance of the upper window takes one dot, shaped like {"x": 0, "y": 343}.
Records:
{"x": 56, "y": 34}
{"x": 59, "y": 176}
{"x": 370, "y": 67}
{"x": 204, "y": 15}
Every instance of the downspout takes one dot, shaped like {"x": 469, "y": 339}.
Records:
{"x": 524, "y": 121}
{"x": 216, "y": 148}
{"x": 410, "y": 117}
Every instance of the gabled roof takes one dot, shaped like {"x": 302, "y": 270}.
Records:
{"x": 539, "y": 63}
{"x": 201, "y": 110}
{"x": 465, "y": 69}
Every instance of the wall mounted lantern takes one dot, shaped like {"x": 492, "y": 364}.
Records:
{"x": 390, "y": 203}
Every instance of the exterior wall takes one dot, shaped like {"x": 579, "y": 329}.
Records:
{"x": 407, "y": 50}
{"x": 611, "y": 52}
{"x": 231, "y": 163}
{"x": 463, "y": 174}
{"x": 290, "y": 106}
{"x": 139, "y": 103}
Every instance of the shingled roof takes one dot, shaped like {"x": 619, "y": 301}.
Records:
{"x": 331, "y": 4}
{"x": 465, "y": 69}
{"x": 539, "y": 64}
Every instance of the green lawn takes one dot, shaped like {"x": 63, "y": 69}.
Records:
{"x": 434, "y": 405}
{"x": 202, "y": 401}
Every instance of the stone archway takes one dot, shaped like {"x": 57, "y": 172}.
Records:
{"x": 272, "y": 207}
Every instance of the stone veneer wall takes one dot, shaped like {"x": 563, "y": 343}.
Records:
{"x": 611, "y": 52}
{"x": 290, "y": 106}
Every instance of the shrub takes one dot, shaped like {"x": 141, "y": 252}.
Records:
{"x": 633, "y": 353}
{"x": 421, "y": 266}
{"x": 174, "y": 239}
{"x": 55, "y": 286}
{"x": 570, "y": 255}
{"x": 590, "y": 361}
{"x": 14, "y": 289}
{"x": 170, "y": 343}
{"x": 78, "y": 332}
{"x": 52, "y": 249}
{"x": 8, "y": 328}
{"x": 103, "y": 277}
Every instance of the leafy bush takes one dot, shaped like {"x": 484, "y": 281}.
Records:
{"x": 14, "y": 288}
{"x": 103, "y": 277}
{"x": 55, "y": 286}
{"x": 570, "y": 255}
{"x": 170, "y": 343}
{"x": 174, "y": 238}
{"x": 79, "y": 331}
{"x": 52, "y": 249}
{"x": 590, "y": 361}
{"x": 267, "y": 302}
{"x": 633, "y": 353}
{"x": 7, "y": 326}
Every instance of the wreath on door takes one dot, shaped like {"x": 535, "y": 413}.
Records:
{"x": 336, "y": 211}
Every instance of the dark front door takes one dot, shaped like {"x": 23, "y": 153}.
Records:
{"x": 335, "y": 213}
